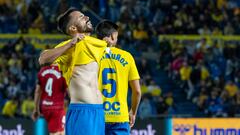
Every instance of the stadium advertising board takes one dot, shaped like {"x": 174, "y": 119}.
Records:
{"x": 205, "y": 126}
{"x": 152, "y": 126}
{"x": 15, "y": 126}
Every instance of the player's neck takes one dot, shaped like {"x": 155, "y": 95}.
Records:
{"x": 85, "y": 34}
{"x": 111, "y": 45}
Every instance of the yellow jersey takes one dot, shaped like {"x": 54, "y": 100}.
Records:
{"x": 84, "y": 52}
{"x": 116, "y": 69}
{"x": 27, "y": 107}
{"x": 9, "y": 108}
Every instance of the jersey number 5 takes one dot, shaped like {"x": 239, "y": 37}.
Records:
{"x": 106, "y": 80}
{"x": 48, "y": 87}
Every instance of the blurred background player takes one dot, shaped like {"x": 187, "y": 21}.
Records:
{"x": 79, "y": 63}
{"x": 49, "y": 98}
{"x": 117, "y": 69}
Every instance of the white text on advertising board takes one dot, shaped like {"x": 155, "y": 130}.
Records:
{"x": 17, "y": 131}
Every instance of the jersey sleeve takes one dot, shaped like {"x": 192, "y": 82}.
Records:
{"x": 64, "y": 58}
{"x": 64, "y": 61}
{"x": 133, "y": 72}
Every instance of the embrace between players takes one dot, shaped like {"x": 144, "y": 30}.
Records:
{"x": 97, "y": 75}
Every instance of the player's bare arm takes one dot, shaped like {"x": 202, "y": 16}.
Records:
{"x": 136, "y": 97}
{"x": 37, "y": 95}
{"x": 48, "y": 56}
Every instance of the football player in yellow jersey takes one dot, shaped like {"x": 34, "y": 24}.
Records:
{"x": 117, "y": 69}
{"x": 78, "y": 60}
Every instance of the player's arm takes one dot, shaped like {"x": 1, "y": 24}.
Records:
{"x": 136, "y": 97}
{"x": 37, "y": 96}
{"x": 50, "y": 55}
{"x": 136, "y": 90}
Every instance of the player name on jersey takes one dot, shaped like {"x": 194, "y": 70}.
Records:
{"x": 115, "y": 57}
{"x": 51, "y": 71}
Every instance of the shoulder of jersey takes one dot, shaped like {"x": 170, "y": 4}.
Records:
{"x": 122, "y": 51}
{"x": 43, "y": 68}
{"x": 62, "y": 43}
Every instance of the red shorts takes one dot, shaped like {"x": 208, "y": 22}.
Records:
{"x": 55, "y": 120}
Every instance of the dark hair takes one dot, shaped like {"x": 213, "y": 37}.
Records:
{"x": 105, "y": 28}
{"x": 63, "y": 20}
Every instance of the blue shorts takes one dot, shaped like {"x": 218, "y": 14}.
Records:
{"x": 117, "y": 128}
{"x": 85, "y": 119}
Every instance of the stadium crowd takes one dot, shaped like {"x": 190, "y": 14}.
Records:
{"x": 161, "y": 16}
{"x": 18, "y": 64}
{"x": 208, "y": 72}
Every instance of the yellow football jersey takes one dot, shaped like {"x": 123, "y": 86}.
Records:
{"x": 86, "y": 51}
{"x": 116, "y": 69}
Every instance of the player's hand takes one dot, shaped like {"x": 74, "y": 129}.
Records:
{"x": 76, "y": 39}
{"x": 35, "y": 115}
{"x": 132, "y": 119}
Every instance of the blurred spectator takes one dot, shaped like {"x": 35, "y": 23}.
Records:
{"x": 201, "y": 99}
{"x": 231, "y": 88}
{"x": 185, "y": 71}
{"x": 229, "y": 69}
{"x": 169, "y": 99}
{"x": 154, "y": 89}
{"x": 176, "y": 65}
{"x": 215, "y": 71}
{"x": 214, "y": 105}
{"x": 27, "y": 106}
{"x": 170, "y": 103}
{"x": 144, "y": 67}
{"x": 204, "y": 71}
{"x": 10, "y": 108}
{"x": 201, "y": 46}
{"x": 161, "y": 105}
{"x": 12, "y": 89}
{"x": 145, "y": 108}
{"x": 228, "y": 29}
{"x": 216, "y": 31}
{"x": 204, "y": 30}
{"x": 144, "y": 88}
{"x": 139, "y": 33}
{"x": 186, "y": 83}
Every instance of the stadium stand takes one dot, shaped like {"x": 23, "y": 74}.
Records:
{"x": 186, "y": 52}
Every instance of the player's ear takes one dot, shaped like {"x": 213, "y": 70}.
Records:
{"x": 112, "y": 37}
{"x": 72, "y": 28}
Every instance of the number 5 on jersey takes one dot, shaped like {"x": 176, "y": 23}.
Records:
{"x": 106, "y": 80}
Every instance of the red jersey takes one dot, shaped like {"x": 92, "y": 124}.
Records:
{"x": 53, "y": 87}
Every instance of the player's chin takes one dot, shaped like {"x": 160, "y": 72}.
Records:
{"x": 89, "y": 29}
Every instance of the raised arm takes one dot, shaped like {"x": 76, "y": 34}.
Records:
{"x": 136, "y": 97}
{"x": 48, "y": 56}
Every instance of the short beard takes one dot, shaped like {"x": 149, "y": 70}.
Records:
{"x": 85, "y": 30}
{"x": 89, "y": 30}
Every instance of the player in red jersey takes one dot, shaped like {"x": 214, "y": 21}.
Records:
{"x": 49, "y": 98}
